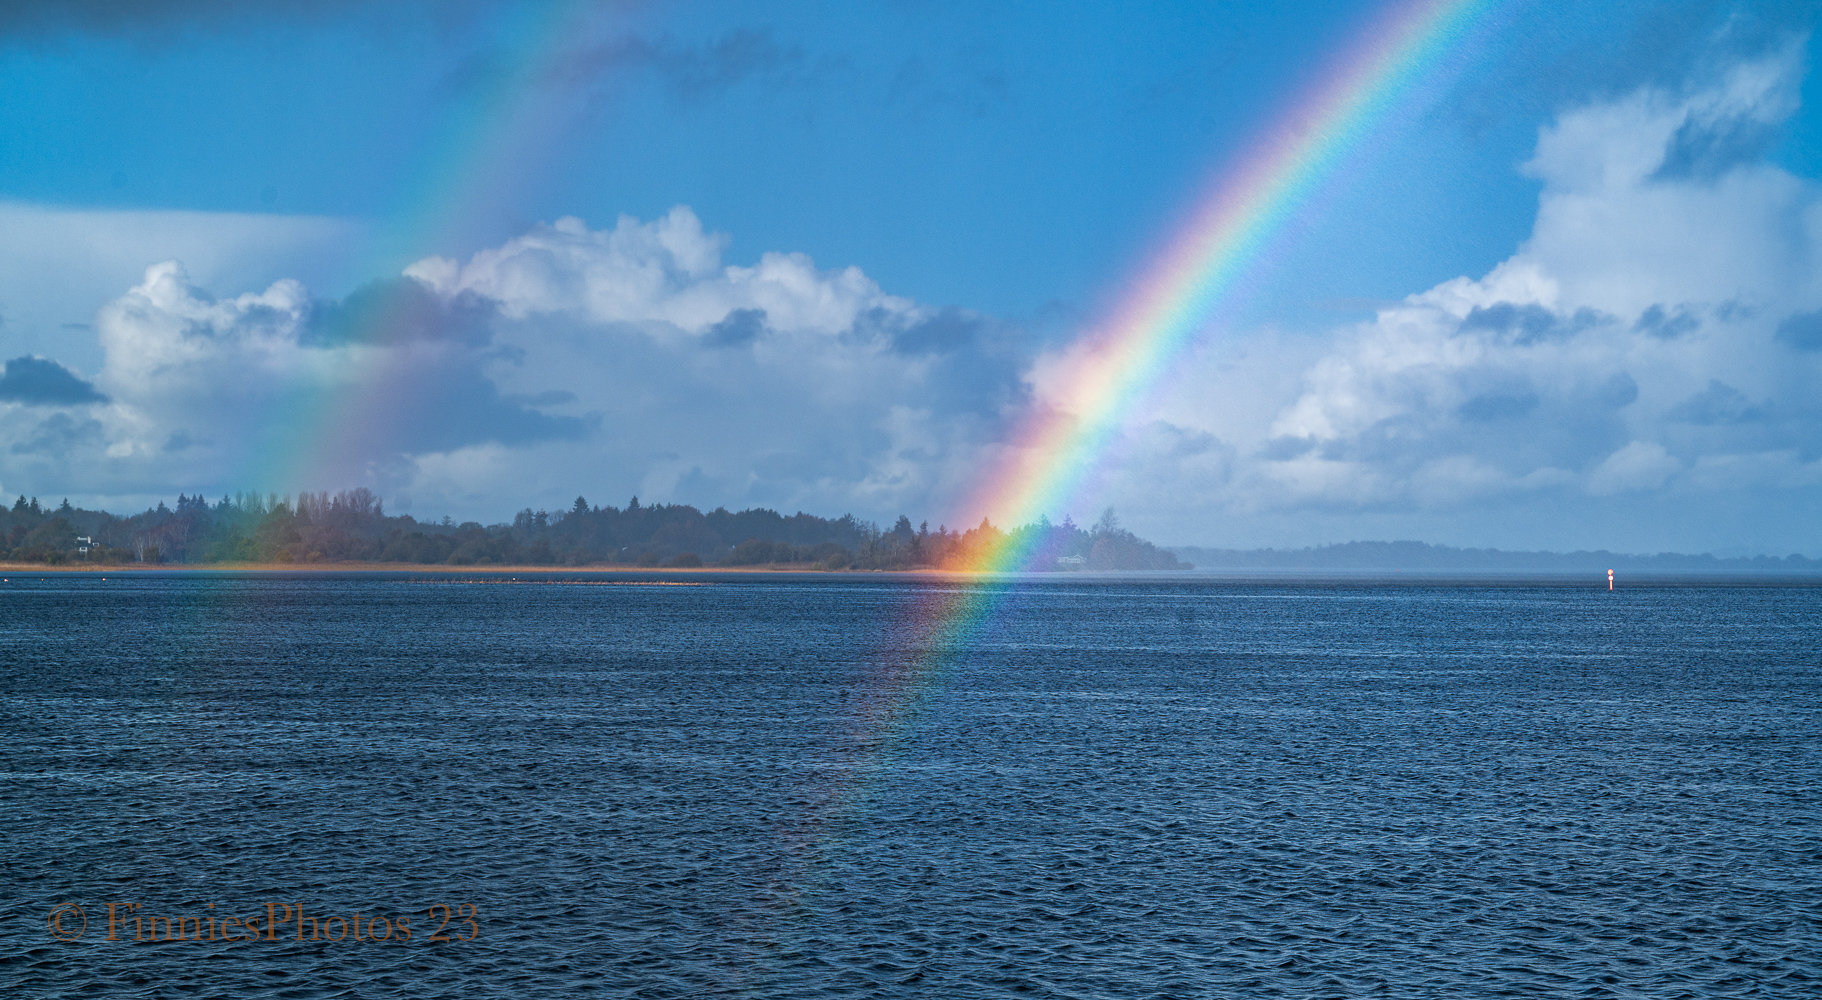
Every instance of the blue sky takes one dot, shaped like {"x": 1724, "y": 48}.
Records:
{"x": 1007, "y": 166}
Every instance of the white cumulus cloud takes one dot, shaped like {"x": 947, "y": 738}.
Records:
{"x": 1662, "y": 323}
{"x": 1639, "y": 374}
{"x": 568, "y": 360}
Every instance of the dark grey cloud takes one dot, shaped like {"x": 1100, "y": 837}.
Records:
{"x": 51, "y": 18}
{"x": 1283, "y": 449}
{"x": 1529, "y": 323}
{"x": 42, "y": 382}
{"x": 1706, "y": 150}
{"x": 37, "y": 21}
{"x": 441, "y": 399}
{"x": 1492, "y": 406}
{"x": 1802, "y": 331}
{"x": 1667, "y": 45}
{"x": 964, "y": 82}
{"x": 450, "y": 403}
{"x": 60, "y": 434}
{"x": 979, "y": 360}
{"x": 688, "y": 71}
{"x": 1668, "y": 40}
{"x": 1733, "y": 311}
{"x": 396, "y": 310}
{"x": 1720, "y": 403}
{"x": 948, "y": 331}
{"x": 1507, "y": 422}
{"x": 1667, "y": 325}
{"x": 180, "y": 440}
{"x": 426, "y": 361}
{"x": 739, "y": 327}
{"x": 549, "y": 397}
{"x": 1618, "y": 391}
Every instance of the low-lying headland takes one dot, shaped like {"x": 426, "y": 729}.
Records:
{"x": 351, "y": 533}
{"x": 352, "y": 529}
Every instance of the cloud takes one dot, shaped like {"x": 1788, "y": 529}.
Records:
{"x": 963, "y": 80}
{"x": 1639, "y": 465}
{"x": 615, "y": 361}
{"x": 1719, "y": 403}
{"x": 59, "y": 265}
{"x": 1638, "y": 372}
{"x": 208, "y": 387}
{"x": 396, "y": 311}
{"x": 1621, "y": 232}
{"x": 1802, "y": 331}
{"x": 41, "y": 20}
{"x": 49, "y": 18}
{"x": 58, "y": 435}
{"x": 1663, "y": 44}
{"x": 1528, "y": 323}
{"x": 777, "y": 383}
{"x": 41, "y": 382}
{"x": 739, "y": 326}
{"x": 691, "y": 71}
{"x": 1668, "y": 326}
{"x": 1659, "y": 325}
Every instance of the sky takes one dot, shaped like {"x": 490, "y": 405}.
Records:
{"x": 480, "y": 256}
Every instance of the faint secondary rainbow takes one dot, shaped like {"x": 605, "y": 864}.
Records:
{"x": 1402, "y": 58}
{"x": 498, "y": 133}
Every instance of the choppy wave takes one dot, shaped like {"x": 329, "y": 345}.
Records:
{"x": 1167, "y": 789}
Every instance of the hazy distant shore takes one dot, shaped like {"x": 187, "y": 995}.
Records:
{"x": 1394, "y": 557}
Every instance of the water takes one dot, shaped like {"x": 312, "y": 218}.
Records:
{"x": 755, "y": 788}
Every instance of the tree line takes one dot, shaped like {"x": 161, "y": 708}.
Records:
{"x": 353, "y": 526}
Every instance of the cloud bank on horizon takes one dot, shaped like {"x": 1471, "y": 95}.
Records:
{"x": 1639, "y": 374}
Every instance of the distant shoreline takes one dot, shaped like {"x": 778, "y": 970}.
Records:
{"x": 620, "y": 574}
{"x": 422, "y": 569}
{"x": 1422, "y": 557}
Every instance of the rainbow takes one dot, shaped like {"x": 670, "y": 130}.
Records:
{"x": 495, "y": 138}
{"x": 1393, "y": 71}
{"x": 1401, "y": 62}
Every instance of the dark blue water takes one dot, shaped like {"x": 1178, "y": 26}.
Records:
{"x": 752, "y": 789}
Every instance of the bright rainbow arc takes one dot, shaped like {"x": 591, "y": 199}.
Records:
{"x": 1407, "y": 54}
{"x": 1404, "y": 55}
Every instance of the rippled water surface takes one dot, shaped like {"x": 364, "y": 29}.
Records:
{"x": 761, "y": 787}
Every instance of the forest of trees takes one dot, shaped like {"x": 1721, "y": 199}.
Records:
{"x": 353, "y": 526}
